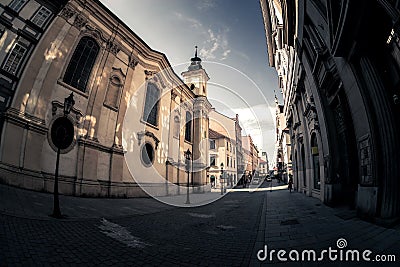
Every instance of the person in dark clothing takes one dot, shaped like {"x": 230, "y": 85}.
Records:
{"x": 290, "y": 184}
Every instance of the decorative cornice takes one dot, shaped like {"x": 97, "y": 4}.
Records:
{"x": 140, "y": 136}
{"x": 67, "y": 12}
{"x": 149, "y": 74}
{"x": 113, "y": 47}
{"x": 133, "y": 62}
{"x": 95, "y": 144}
{"x": 95, "y": 33}
{"x": 80, "y": 21}
{"x": 25, "y": 121}
{"x": 174, "y": 94}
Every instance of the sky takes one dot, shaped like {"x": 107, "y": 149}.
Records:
{"x": 231, "y": 41}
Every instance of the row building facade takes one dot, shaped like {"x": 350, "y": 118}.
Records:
{"x": 339, "y": 71}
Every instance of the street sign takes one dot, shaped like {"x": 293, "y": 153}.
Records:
{"x": 62, "y": 132}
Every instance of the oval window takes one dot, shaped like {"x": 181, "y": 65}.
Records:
{"x": 147, "y": 154}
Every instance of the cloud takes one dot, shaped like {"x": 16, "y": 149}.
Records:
{"x": 205, "y": 5}
{"x": 259, "y": 123}
{"x": 216, "y": 44}
{"x": 194, "y": 23}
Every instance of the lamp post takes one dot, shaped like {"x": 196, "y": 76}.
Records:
{"x": 221, "y": 178}
{"x": 187, "y": 166}
{"x": 62, "y": 139}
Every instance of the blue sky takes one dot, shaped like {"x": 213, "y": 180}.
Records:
{"x": 231, "y": 40}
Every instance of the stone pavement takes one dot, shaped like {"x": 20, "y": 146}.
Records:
{"x": 144, "y": 232}
{"x": 31, "y": 204}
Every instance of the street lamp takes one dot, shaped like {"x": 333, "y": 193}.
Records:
{"x": 187, "y": 166}
{"x": 62, "y": 132}
{"x": 222, "y": 174}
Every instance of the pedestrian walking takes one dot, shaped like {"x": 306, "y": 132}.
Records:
{"x": 290, "y": 184}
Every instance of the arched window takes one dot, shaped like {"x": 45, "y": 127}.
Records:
{"x": 150, "y": 114}
{"x": 315, "y": 156}
{"x": 81, "y": 63}
{"x": 188, "y": 127}
{"x": 303, "y": 162}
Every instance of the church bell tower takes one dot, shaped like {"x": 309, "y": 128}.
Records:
{"x": 196, "y": 79}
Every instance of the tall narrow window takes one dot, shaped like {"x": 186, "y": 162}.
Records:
{"x": 151, "y": 105}
{"x": 81, "y": 64}
{"x": 177, "y": 126}
{"x": 303, "y": 162}
{"x": 15, "y": 58}
{"x": 17, "y": 5}
{"x": 188, "y": 127}
{"x": 315, "y": 157}
{"x": 41, "y": 16}
{"x": 212, "y": 160}
{"x": 212, "y": 144}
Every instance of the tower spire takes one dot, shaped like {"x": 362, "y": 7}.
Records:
{"x": 196, "y": 61}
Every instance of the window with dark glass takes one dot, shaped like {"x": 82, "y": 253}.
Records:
{"x": 151, "y": 105}
{"x": 188, "y": 127}
{"x": 212, "y": 161}
{"x": 81, "y": 63}
{"x": 147, "y": 155}
{"x": 15, "y": 58}
{"x": 212, "y": 144}
{"x": 41, "y": 16}
{"x": 17, "y": 5}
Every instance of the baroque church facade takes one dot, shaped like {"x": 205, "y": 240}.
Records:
{"x": 134, "y": 117}
{"x": 339, "y": 72}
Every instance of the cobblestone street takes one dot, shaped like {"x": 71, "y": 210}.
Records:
{"x": 228, "y": 232}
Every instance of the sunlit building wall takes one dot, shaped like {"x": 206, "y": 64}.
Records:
{"x": 134, "y": 117}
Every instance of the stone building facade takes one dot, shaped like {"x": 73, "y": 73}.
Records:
{"x": 134, "y": 117}
{"x": 339, "y": 70}
{"x": 222, "y": 151}
{"x": 250, "y": 153}
{"x": 230, "y": 129}
{"x": 283, "y": 155}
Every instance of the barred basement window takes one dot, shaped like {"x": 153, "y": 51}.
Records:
{"x": 14, "y": 58}
{"x": 81, "y": 64}
{"x": 17, "y": 5}
{"x": 151, "y": 105}
{"x": 41, "y": 16}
